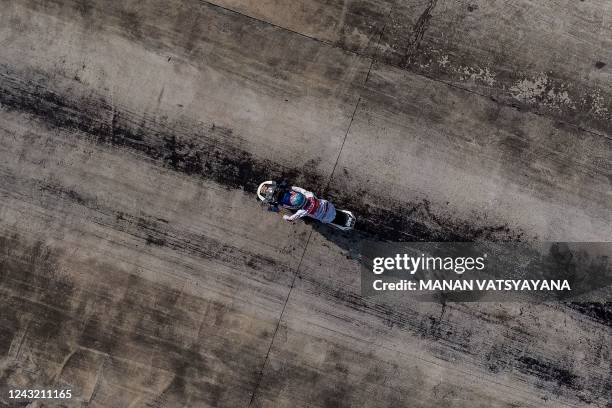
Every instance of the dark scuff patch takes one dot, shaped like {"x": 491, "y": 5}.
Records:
{"x": 151, "y": 240}
{"x": 32, "y": 272}
{"x": 36, "y": 293}
{"x": 600, "y": 64}
{"x": 418, "y": 32}
{"x": 415, "y": 221}
{"x": 600, "y": 312}
{"x": 6, "y": 338}
{"x": 208, "y": 153}
{"x": 363, "y": 21}
{"x": 65, "y": 193}
{"x": 496, "y": 359}
{"x": 548, "y": 371}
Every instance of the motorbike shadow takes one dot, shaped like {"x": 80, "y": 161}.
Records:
{"x": 348, "y": 241}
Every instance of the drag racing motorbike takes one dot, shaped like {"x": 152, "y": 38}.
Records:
{"x": 268, "y": 192}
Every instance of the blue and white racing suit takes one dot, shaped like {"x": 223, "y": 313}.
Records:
{"x": 313, "y": 207}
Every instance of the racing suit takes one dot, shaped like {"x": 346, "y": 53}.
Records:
{"x": 313, "y": 207}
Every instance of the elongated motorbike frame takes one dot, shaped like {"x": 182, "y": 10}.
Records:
{"x": 350, "y": 219}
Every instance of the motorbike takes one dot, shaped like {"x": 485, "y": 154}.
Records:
{"x": 344, "y": 220}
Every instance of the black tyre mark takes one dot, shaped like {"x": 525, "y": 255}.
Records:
{"x": 206, "y": 153}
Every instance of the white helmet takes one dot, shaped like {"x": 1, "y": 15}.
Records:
{"x": 265, "y": 193}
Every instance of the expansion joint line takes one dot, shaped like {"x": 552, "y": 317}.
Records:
{"x": 297, "y": 271}
{"x": 331, "y": 175}
{"x": 280, "y": 318}
{"x": 377, "y": 44}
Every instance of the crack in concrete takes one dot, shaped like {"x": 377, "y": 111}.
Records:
{"x": 331, "y": 175}
{"x": 280, "y": 318}
{"x": 297, "y": 271}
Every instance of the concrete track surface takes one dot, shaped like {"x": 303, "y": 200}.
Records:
{"x": 137, "y": 268}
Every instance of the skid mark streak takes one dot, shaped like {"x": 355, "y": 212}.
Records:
{"x": 548, "y": 371}
{"x": 205, "y": 153}
{"x": 454, "y": 341}
{"x": 600, "y": 312}
{"x": 160, "y": 233}
{"x": 415, "y": 221}
{"x": 418, "y": 32}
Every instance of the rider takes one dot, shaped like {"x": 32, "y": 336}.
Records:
{"x": 303, "y": 202}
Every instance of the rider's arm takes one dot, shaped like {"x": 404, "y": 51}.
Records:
{"x": 298, "y": 214}
{"x": 306, "y": 193}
